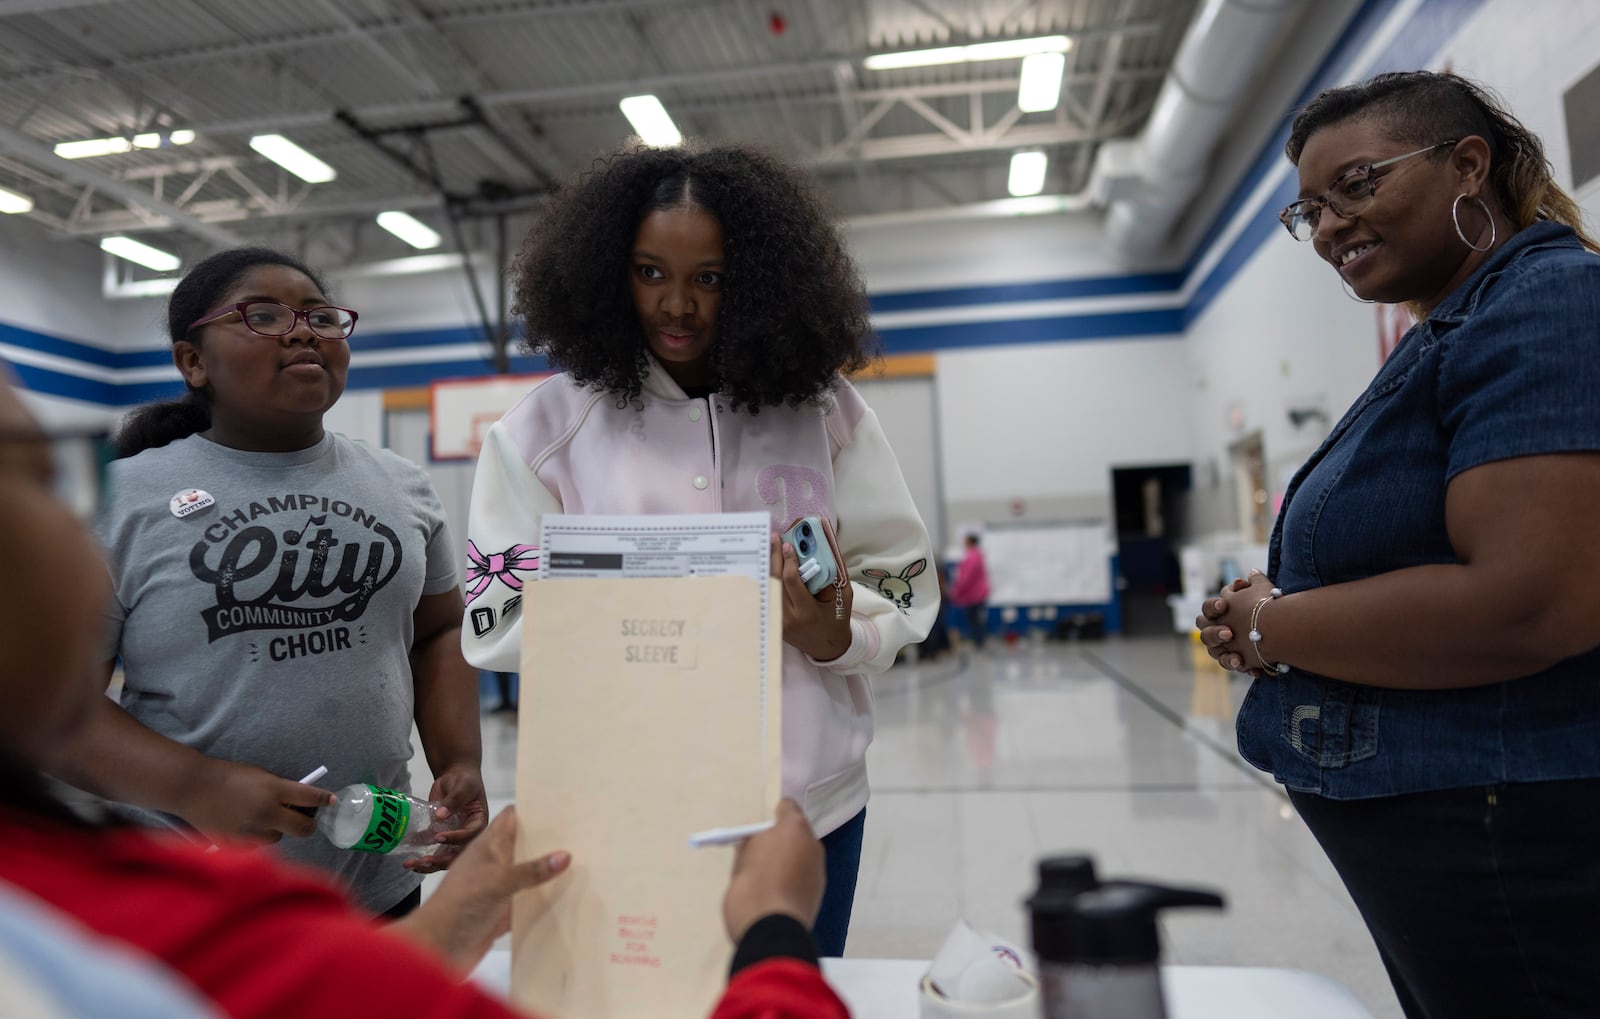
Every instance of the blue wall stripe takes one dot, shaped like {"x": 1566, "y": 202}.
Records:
{"x": 44, "y": 343}
{"x": 918, "y": 339}
{"x": 1433, "y": 23}
{"x": 1053, "y": 290}
{"x": 420, "y": 338}
{"x": 391, "y": 376}
{"x": 100, "y": 357}
{"x": 76, "y": 387}
{"x": 83, "y": 353}
{"x": 72, "y": 387}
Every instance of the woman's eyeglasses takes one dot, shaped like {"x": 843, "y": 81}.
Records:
{"x": 269, "y": 318}
{"x": 1350, "y": 194}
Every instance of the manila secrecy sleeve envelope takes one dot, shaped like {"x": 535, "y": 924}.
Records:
{"x": 641, "y": 723}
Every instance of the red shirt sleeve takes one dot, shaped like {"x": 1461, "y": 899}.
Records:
{"x": 780, "y": 989}
{"x": 265, "y": 940}
{"x": 261, "y": 939}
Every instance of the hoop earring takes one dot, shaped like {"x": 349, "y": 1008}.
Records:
{"x": 1352, "y": 294}
{"x": 1455, "y": 217}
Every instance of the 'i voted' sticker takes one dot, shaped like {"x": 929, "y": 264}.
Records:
{"x": 191, "y": 500}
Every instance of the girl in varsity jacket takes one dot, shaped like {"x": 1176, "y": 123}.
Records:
{"x": 704, "y": 313}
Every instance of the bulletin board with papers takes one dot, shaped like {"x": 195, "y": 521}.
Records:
{"x": 1049, "y": 563}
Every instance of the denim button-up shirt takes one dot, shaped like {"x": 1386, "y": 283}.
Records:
{"x": 1507, "y": 366}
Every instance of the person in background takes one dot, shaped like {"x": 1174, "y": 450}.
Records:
{"x": 281, "y": 597}
{"x": 703, "y": 309}
{"x": 1426, "y": 638}
{"x": 258, "y": 938}
{"x": 970, "y": 592}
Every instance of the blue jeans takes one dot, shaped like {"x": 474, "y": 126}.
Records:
{"x": 842, "y": 847}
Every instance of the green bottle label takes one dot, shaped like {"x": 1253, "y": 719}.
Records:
{"x": 391, "y": 816}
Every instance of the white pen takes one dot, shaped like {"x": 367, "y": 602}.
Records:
{"x": 726, "y": 836}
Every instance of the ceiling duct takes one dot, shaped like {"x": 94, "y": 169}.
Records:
{"x": 1147, "y": 182}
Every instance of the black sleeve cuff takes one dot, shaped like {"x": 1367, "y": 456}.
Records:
{"x": 773, "y": 937}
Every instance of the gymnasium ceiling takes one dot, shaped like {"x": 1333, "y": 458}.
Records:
{"x": 479, "y": 105}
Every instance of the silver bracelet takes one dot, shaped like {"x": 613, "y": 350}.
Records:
{"x": 1255, "y": 634}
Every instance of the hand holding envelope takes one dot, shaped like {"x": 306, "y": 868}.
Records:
{"x": 780, "y": 870}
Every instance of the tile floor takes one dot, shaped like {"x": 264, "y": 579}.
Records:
{"x": 1121, "y": 748}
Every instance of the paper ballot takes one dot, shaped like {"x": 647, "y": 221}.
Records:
{"x": 642, "y": 722}
{"x": 680, "y": 545}
{"x": 598, "y": 546}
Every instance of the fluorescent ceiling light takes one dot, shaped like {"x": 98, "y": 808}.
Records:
{"x": 293, "y": 158}
{"x": 409, "y": 229}
{"x": 1027, "y": 173}
{"x": 142, "y": 254}
{"x": 1007, "y": 49}
{"x": 651, "y": 122}
{"x": 12, "y": 203}
{"x": 92, "y": 147}
{"x": 1040, "y": 89}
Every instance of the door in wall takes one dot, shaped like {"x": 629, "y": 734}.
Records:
{"x": 1149, "y": 504}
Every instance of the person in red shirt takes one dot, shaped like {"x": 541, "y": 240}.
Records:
{"x": 258, "y": 937}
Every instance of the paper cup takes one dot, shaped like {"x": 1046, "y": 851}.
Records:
{"x": 1024, "y": 1006}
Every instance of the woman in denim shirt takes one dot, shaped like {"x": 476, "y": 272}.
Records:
{"x": 1426, "y": 640}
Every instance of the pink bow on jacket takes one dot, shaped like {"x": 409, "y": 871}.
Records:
{"x": 502, "y": 566}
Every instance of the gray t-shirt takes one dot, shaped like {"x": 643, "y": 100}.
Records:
{"x": 273, "y": 626}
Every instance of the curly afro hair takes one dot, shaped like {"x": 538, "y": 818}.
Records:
{"x": 794, "y": 310}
